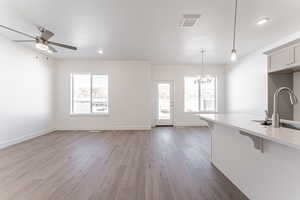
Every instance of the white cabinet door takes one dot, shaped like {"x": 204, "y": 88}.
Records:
{"x": 296, "y": 55}
{"x": 281, "y": 59}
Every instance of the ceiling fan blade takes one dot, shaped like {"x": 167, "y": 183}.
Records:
{"x": 13, "y": 30}
{"x": 24, "y": 40}
{"x": 52, "y": 49}
{"x": 46, "y": 34}
{"x": 62, "y": 45}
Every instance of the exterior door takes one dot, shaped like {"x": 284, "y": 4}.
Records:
{"x": 164, "y": 103}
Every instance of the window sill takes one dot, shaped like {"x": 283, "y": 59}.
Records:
{"x": 90, "y": 115}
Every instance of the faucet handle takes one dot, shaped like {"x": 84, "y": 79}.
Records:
{"x": 266, "y": 115}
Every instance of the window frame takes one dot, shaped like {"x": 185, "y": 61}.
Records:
{"x": 91, "y": 113}
{"x": 199, "y": 98}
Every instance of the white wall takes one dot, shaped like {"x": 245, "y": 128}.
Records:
{"x": 129, "y": 90}
{"x": 176, "y": 73}
{"x": 246, "y": 81}
{"x": 26, "y": 93}
{"x": 246, "y": 85}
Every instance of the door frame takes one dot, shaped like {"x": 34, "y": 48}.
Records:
{"x": 158, "y": 122}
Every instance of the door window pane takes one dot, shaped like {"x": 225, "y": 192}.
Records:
{"x": 164, "y": 98}
{"x": 81, "y": 93}
{"x": 100, "y": 94}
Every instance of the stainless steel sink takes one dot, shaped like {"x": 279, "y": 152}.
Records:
{"x": 283, "y": 123}
{"x": 262, "y": 122}
{"x": 292, "y": 126}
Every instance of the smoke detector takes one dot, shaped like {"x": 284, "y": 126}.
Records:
{"x": 189, "y": 21}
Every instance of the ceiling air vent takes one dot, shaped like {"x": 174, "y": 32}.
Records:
{"x": 189, "y": 21}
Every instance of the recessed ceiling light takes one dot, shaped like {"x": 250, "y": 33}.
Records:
{"x": 263, "y": 21}
{"x": 100, "y": 51}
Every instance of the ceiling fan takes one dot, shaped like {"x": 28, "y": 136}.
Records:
{"x": 41, "y": 42}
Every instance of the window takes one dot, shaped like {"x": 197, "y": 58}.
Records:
{"x": 200, "y": 94}
{"x": 89, "y": 94}
{"x": 191, "y": 94}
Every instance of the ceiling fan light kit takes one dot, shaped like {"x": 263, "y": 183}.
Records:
{"x": 42, "y": 46}
{"x": 41, "y": 42}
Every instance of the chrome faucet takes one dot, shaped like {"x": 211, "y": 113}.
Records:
{"x": 293, "y": 99}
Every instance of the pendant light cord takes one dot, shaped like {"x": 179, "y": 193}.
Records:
{"x": 235, "y": 16}
{"x": 202, "y": 67}
{"x": 202, "y": 57}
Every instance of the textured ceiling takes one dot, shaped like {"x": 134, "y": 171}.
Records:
{"x": 148, "y": 29}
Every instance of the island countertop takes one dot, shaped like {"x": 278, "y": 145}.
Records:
{"x": 246, "y": 123}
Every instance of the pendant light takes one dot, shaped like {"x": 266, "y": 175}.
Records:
{"x": 204, "y": 78}
{"x": 233, "y": 51}
{"x": 199, "y": 79}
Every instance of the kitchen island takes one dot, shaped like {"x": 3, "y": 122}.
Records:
{"x": 264, "y": 162}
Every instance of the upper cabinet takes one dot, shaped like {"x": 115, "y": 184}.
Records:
{"x": 296, "y": 51}
{"x": 284, "y": 58}
{"x": 280, "y": 59}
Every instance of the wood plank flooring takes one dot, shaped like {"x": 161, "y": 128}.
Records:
{"x": 162, "y": 164}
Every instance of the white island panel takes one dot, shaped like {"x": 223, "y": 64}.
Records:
{"x": 271, "y": 175}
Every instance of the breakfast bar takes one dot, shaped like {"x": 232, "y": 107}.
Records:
{"x": 264, "y": 162}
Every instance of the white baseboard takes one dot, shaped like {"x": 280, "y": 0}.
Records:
{"x": 191, "y": 123}
{"x": 109, "y": 128}
{"x": 4, "y": 144}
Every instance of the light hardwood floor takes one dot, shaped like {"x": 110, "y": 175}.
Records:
{"x": 162, "y": 164}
